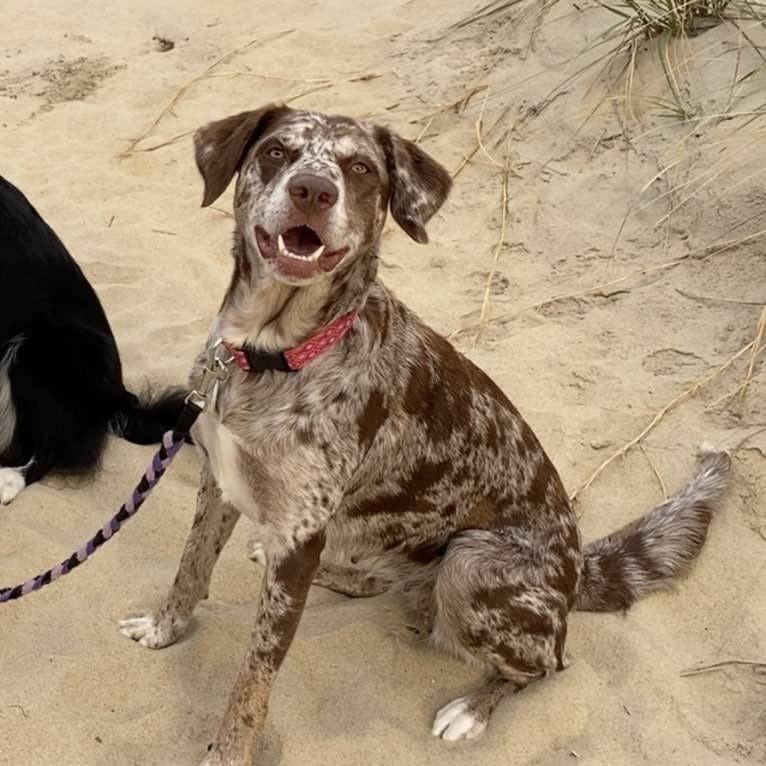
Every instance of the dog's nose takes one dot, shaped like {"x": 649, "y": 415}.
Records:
{"x": 312, "y": 193}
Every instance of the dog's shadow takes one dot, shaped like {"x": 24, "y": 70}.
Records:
{"x": 269, "y": 750}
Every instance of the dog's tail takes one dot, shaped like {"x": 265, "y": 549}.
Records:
{"x": 647, "y": 554}
{"x": 144, "y": 419}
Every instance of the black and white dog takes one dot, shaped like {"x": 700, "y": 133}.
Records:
{"x": 61, "y": 387}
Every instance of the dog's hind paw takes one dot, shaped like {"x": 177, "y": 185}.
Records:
{"x": 256, "y": 552}
{"x": 457, "y": 721}
{"x": 154, "y": 631}
{"x": 12, "y": 481}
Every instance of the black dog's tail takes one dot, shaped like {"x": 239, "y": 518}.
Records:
{"x": 144, "y": 419}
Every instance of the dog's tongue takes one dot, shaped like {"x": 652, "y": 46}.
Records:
{"x": 301, "y": 240}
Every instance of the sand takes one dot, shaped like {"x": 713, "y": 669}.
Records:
{"x": 79, "y": 82}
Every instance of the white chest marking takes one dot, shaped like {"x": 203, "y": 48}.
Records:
{"x": 223, "y": 452}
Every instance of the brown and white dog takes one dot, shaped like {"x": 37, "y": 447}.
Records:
{"x": 388, "y": 461}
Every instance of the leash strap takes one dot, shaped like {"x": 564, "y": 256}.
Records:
{"x": 172, "y": 441}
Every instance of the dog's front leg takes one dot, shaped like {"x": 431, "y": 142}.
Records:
{"x": 213, "y": 524}
{"x": 284, "y": 589}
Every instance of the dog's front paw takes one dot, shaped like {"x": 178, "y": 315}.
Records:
{"x": 457, "y": 721}
{"x": 154, "y": 631}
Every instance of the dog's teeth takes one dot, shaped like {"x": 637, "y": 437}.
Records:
{"x": 282, "y": 247}
{"x": 315, "y": 255}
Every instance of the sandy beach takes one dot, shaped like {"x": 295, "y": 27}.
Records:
{"x": 600, "y": 258}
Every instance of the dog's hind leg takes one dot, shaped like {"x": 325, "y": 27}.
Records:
{"x": 349, "y": 581}
{"x": 59, "y": 384}
{"x": 493, "y": 606}
{"x": 213, "y": 524}
{"x": 466, "y": 717}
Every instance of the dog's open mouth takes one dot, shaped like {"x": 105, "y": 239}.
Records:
{"x": 298, "y": 251}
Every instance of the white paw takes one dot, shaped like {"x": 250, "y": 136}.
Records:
{"x": 455, "y": 721}
{"x": 256, "y": 552}
{"x": 152, "y": 631}
{"x": 12, "y": 481}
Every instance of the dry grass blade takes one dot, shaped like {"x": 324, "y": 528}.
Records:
{"x": 262, "y": 76}
{"x": 479, "y": 140}
{"x": 180, "y": 94}
{"x": 757, "y": 348}
{"x": 623, "y": 36}
{"x": 718, "y": 665}
{"x": 727, "y": 397}
{"x": 423, "y": 132}
{"x": 756, "y": 48}
{"x": 657, "y": 475}
{"x": 486, "y": 11}
{"x": 720, "y": 193}
{"x": 663, "y": 22}
{"x": 455, "y": 106}
{"x": 558, "y": 298}
{"x": 703, "y": 254}
{"x": 639, "y": 21}
{"x": 162, "y": 144}
{"x": 708, "y": 299}
{"x": 696, "y": 182}
{"x": 308, "y": 92}
{"x": 468, "y": 157}
{"x": 658, "y": 417}
{"x": 505, "y": 174}
{"x": 629, "y": 82}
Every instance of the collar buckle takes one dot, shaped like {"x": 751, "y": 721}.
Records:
{"x": 215, "y": 370}
{"x": 260, "y": 361}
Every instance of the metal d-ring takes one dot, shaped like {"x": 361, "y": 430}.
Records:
{"x": 215, "y": 370}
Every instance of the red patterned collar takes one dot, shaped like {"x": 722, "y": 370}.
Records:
{"x": 248, "y": 358}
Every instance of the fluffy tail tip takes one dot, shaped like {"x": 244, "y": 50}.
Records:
{"x": 714, "y": 464}
{"x": 649, "y": 553}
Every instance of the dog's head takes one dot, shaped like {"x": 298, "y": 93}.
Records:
{"x": 313, "y": 190}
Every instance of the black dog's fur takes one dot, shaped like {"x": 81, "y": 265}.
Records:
{"x": 60, "y": 357}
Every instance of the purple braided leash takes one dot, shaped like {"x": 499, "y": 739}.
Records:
{"x": 172, "y": 442}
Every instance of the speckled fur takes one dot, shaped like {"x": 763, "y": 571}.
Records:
{"x": 391, "y": 455}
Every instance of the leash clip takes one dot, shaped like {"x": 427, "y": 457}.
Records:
{"x": 215, "y": 371}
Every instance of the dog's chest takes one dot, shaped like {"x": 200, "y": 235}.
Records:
{"x": 224, "y": 455}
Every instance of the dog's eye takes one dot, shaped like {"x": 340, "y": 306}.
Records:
{"x": 360, "y": 168}
{"x": 276, "y": 153}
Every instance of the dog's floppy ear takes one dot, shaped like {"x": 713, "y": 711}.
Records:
{"x": 220, "y": 147}
{"x": 419, "y": 184}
